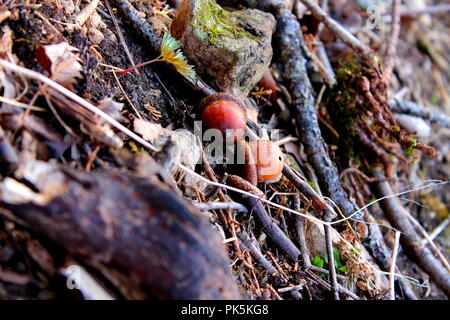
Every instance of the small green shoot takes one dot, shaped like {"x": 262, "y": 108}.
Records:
{"x": 171, "y": 53}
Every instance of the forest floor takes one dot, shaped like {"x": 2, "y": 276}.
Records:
{"x": 351, "y": 147}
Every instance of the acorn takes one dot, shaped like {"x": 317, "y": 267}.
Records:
{"x": 226, "y": 113}
{"x": 269, "y": 160}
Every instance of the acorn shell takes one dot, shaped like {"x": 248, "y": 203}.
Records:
{"x": 269, "y": 160}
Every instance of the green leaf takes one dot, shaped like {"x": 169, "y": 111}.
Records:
{"x": 337, "y": 258}
{"x": 342, "y": 269}
{"x": 318, "y": 262}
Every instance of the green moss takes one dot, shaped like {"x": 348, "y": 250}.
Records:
{"x": 217, "y": 22}
{"x": 412, "y": 145}
{"x": 342, "y": 107}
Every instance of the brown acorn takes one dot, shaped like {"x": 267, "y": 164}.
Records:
{"x": 226, "y": 113}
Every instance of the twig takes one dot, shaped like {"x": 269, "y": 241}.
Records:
{"x": 391, "y": 50}
{"x": 430, "y": 241}
{"x": 437, "y": 9}
{"x": 119, "y": 33}
{"x": 69, "y": 94}
{"x": 21, "y": 105}
{"x": 412, "y": 108}
{"x": 435, "y": 233}
{"x": 212, "y": 176}
{"x": 321, "y": 207}
{"x": 325, "y": 271}
{"x": 85, "y": 13}
{"x": 272, "y": 230}
{"x": 397, "y": 216}
{"x": 329, "y": 245}
{"x": 221, "y": 206}
{"x": 393, "y": 263}
{"x": 247, "y": 242}
{"x": 299, "y": 224}
{"x": 345, "y": 36}
{"x": 126, "y": 96}
{"x": 327, "y": 286}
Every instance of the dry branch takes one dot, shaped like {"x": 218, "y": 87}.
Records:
{"x": 134, "y": 226}
{"x": 288, "y": 39}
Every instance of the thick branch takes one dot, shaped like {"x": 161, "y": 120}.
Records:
{"x": 135, "y": 227}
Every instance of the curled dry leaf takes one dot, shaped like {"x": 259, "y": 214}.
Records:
{"x": 61, "y": 61}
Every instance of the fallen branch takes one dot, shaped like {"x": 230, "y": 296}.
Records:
{"x": 136, "y": 227}
{"x": 288, "y": 38}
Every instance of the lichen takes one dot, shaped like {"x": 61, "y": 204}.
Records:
{"x": 217, "y": 22}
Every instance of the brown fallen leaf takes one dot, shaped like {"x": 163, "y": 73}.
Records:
{"x": 61, "y": 61}
{"x": 149, "y": 131}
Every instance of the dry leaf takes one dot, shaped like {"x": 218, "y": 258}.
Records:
{"x": 61, "y": 61}
{"x": 149, "y": 131}
{"x": 112, "y": 108}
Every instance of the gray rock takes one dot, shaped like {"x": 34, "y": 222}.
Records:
{"x": 231, "y": 50}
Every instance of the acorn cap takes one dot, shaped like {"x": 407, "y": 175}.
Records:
{"x": 220, "y": 96}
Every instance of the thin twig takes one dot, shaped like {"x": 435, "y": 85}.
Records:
{"x": 393, "y": 263}
{"x": 414, "y": 109}
{"x": 247, "y": 242}
{"x": 221, "y": 206}
{"x": 437, "y": 231}
{"x": 342, "y": 33}
{"x": 397, "y": 216}
{"x": 21, "y": 105}
{"x": 119, "y": 33}
{"x": 69, "y": 94}
{"x": 430, "y": 241}
{"x": 329, "y": 245}
{"x": 391, "y": 50}
{"x": 299, "y": 224}
{"x": 126, "y": 96}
